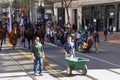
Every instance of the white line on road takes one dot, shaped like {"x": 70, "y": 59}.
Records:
{"x": 99, "y": 59}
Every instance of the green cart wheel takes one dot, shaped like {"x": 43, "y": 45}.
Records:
{"x": 69, "y": 71}
{"x": 84, "y": 70}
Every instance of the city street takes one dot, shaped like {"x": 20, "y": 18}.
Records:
{"x": 53, "y": 21}
{"x": 17, "y": 64}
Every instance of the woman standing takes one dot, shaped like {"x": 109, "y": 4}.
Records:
{"x": 96, "y": 40}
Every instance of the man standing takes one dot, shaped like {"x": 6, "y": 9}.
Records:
{"x": 37, "y": 55}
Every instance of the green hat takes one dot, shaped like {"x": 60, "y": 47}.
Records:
{"x": 81, "y": 28}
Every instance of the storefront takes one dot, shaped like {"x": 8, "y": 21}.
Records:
{"x": 102, "y": 15}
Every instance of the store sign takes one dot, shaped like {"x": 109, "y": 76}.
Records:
{"x": 41, "y": 15}
{"x": 94, "y": 20}
{"x": 46, "y": 17}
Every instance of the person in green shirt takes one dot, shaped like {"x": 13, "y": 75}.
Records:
{"x": 37, "y": 55}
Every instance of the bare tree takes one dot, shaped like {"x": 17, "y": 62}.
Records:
{"x": 4, "y": 5}
{"x": 67, "y": 4}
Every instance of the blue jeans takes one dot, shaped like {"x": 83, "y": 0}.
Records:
{"x": 55, "y": 40}
{"x": 40, "y": 60}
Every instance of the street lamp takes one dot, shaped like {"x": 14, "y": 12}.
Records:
{"x": 41, "y": 11}
{"x": 62, "y": 14}
{"x": 35, "y": 10}
{"x": 15, "y": 11}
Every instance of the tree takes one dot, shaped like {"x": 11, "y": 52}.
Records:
{"x": 67, "y": 4}
{"x": 4, "y": 5}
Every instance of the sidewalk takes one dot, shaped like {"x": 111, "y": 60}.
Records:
{"x": 115, "y": 38}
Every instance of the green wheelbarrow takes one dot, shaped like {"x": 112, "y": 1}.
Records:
{"x": 76, "y": 63}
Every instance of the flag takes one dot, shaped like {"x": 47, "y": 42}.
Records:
{"x": 41, "y": 15}
{"x": 9, "y": 26}
{"x": 22, "y": 19}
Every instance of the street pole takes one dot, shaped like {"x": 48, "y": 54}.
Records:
{"x": 28, "y": 13}
{"x": 1, "y": 13}
{"x": 31, "y": 20}
{"x": 62, "y": 15}
{"x": 15, "y": 15}
{"x": 10, "y": 18}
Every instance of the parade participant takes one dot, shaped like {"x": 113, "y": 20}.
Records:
{"x": 48, "y": 33}
{"x": 69, "y": 48}
{"x": 37, "y": 55}
{"x": 96, "y": 40}
{"x": 39, "y": 23}
{"x": 105, "y": 34}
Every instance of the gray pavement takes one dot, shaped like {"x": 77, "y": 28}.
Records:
{"x": 102, "y": 66}
{"x": 9, "y": 69}
{"x": 14, "y": 66}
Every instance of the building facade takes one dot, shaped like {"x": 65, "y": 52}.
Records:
{"x": 74, "y": 13}
{"x": 102, "y": 15}
{"x": 99, "y": 13}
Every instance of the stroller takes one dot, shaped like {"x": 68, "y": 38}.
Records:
{"x": 85, "y": 45}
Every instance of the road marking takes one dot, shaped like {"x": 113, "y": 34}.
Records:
{"x": 48, "y": 68}
{"x": 99, "y": 49}
{"x": 100, "y": 59}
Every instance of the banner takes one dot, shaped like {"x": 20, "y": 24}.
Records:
{"x": 9, "y": 26}
{"x": 22, "y": 19}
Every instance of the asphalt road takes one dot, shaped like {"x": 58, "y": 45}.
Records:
{"x": 102, "y": 66}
